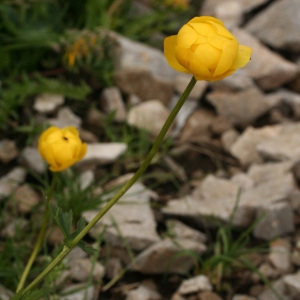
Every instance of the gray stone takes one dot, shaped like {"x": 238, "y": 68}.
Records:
{"x": 182, "y": 80}
{"x": 32, "y": 159}
{"x": 230, "y": 12}
{"x": 292, "y": 284}
{"x": 78, "y": 291}
{"x": 277, "y": 221}
{"x": 186, "y": 110}
{"x": 260, "y": 173}
{"x": 209, "y": 7}
{"x": 5, "y": 294}
{"x": 143, "y": 292}
{"x": 243, "y": 297}
{"x": 282, "y": 34}
{"x": 292, "y": 99}
{"x": 47, "y": 103}
{"x": 178, "y": 229}
{"x": 135, "y": 55}
{"x": 228, "y": 138}
{"x": 8, "y": 150}
{"x": 284, "y": 146}
{"x": 131, "y": 219}
{"x": 235, "y": 82}
{"x": 112, "y": 102}
{"x": 65, "y": 117}
{"x": 268, "y": 69}
{"x": 10, "y": 181}
{"x": 150, "y": 115}
{"x": 82, "y": 268}
{"x": 142, "y": 84}
{"x": 25, "y": 198}
{"x": 280, "y": 255}
{"x": 196, "y": 284}
{"x": 103, "y": 153}
{"x": 241, "y": 107}
{"x": 167, "y": 256}
{"x": 245, "y": 147}
{"x": 280, "y": 287}
{"x": 197, "y": 126}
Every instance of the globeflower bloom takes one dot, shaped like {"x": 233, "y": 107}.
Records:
{"x": 205, "y": 48}
{"x": 61, "y": 147}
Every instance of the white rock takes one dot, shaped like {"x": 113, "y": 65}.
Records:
{"x": 245, "y": 146}
{"x": 78, "y": 291}
{"x": 277, "y": 220}
{"x": 282, "y": 34}
{"x": 280, "y": 255}
{"x": 268, "y": 69}
{"x": 131, "y": 219}
{"x": 178, "y": 229}
{"x": 284, "y": 146}
{"x": 143, "y": 292}
{"x": 66, "y": 117}
{"x": 111, "y": 100}
{"x": 292, "y": 284}
{"x": 82, "y": 268}
{"x": 150, "y": 115}
{"x": 103, "y": 153}
{"x": 166, "y": 256}
{"x": 10, "y": 181}
{"x": 46, "y": 103}
{"x": 32, "y": 159}
{"x": 229, "y": 105}
{"x": 8, "y": 150}
{"x": 195, "y": 285}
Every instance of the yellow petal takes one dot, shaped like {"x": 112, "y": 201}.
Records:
{"x": 243, "y": 57}
{"x": 169, "y": 51}
{"x": 204, "y": 19}
{"x": 227, "y": 58}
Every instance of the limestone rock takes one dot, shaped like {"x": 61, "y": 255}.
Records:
{"x": 82, "y": 268}
{"x": 165, "y": 256}
{"x": 245, "y": 146}
{"x": 8, "y": 150}
{"x": 46, "y": 103}
{"x": 103, "y": 153}
{"x": 240, "y": 108}
{"x": 10, "y": 181}
{"x": 197, "y": 126}
{"x": 268, "y": 69}
{"x": 65, "y": 117}
{"x": 277, "y": 220}
{"x": 282, "y": 34}
{"x": 280, "y": 255}
{"x": 181, "y": 81}
{"x": 150, "y": 115}
{"x": 32, "y": 159}
{"x": 143, "y": 292}
{"x": 26, "y": 198}
{"x": 112, "y": 102}
{"x": 131, "y": 219}
{"x": 284, "y": 146}
{"x": 195, "y": 285}
{"x": 209, "y": 7}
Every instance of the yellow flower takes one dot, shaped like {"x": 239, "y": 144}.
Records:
{"x": 61, "y": 148}
{"x": 205, "y": 48}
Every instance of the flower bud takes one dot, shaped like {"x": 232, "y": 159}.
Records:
{"x": 61, "y": 147}
{"x": 205, "y": 48}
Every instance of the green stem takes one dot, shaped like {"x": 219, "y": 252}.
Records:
{"x": 40, "y": 238}
{"x": 121, "y": 192}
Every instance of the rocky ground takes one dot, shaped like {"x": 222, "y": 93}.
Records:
{"x": 234, "y": 140}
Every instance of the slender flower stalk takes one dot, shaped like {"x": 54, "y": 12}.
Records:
{"x": 40, "y": 238}
{"x": 159, "y": 140}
